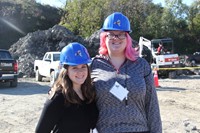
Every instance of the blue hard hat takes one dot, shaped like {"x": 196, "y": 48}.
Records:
{"x": 117, "y": 21}
{"x": 74, "y": 54}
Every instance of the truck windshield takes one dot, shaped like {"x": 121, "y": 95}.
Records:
{"x": 56, "y": 57}
{"x": 167, "y": 44}
{"x": 5, "y": 55}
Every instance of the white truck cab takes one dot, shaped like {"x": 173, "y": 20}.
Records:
{"x": 47, "y": 67}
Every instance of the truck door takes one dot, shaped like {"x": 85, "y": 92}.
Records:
{"x": 46, "y": 65}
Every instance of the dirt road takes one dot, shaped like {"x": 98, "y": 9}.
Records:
{"x": 20, "y": 107}
{"x": 179, "y": 105}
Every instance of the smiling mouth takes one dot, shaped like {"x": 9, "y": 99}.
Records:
{"x": 116, "y": 44}
{"x": 80, "y": 77}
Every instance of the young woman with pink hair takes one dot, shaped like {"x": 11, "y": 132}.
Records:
{"x": 126, "y": 95}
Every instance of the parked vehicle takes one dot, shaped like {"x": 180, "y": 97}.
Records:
{"x": 193, "y": 60}
{"x": 47, "y": 67}
{"x": 167, "y": 59}
{"x": 8, "y": 68}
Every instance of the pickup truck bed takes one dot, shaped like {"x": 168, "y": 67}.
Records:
{"x": 8, "y": 68}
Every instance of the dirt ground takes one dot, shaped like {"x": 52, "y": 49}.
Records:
{"x": 179, "y": 101}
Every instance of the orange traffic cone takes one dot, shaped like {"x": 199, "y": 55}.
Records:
{"x": 156, "y": 82}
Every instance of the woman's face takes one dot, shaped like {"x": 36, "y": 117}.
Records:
{"x": 78, "y": 74}
{"x": 116, "y": 42}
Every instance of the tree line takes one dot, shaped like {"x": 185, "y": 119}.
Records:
{"x": 175, "y": 20}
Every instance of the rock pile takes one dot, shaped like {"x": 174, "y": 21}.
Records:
{"x": 34, "y": 45}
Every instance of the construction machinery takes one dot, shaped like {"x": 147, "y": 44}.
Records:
{"x": 167, "y": 61}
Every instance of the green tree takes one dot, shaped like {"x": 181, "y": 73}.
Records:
{"x": 152, "y": 23}
{"x": 167, "y": 23}
{"x": 194, "y": 26}
{"x": 83, "y": 17}
{"x": 194, "y": 17}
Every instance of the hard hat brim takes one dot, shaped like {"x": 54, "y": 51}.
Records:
{"x": 78, "y": 63}
{"x": 113, "y": 29}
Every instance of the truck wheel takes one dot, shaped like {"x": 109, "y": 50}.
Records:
{"x": 14, "y": 82}
{"x": 38, "y": 77}
{"x": 172, "y": 75}
{"x": 193, "y": 63}
{"x": 52, "y": 78}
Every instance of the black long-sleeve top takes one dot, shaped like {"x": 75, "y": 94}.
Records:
{"x": 61, "y": 118}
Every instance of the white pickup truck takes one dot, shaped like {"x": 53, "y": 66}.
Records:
{"x": 47, "y": 67}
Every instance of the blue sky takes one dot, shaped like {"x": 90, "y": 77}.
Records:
{"x": 61, "y": 3}
{"x": 55, "y": 3}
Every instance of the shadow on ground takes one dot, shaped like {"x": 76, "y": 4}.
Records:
{"x": 175, "y": 89}
{"x": 24, "y": 88}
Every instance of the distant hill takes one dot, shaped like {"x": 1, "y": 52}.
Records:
{"x": 19, "y": 17}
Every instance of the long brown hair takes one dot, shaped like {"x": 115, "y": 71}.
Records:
{"x": 64, "y": 85}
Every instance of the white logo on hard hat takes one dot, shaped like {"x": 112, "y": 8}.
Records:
{"x": 118, "y": 22}
{"x": 78, "y": 53}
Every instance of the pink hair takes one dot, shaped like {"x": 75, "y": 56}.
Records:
{"x": 130, "y": 52}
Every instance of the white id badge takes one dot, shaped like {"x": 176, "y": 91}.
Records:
{"x": 119, "y": 91}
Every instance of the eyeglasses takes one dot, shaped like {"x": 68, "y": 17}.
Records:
{"x": 119, "y": 36}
